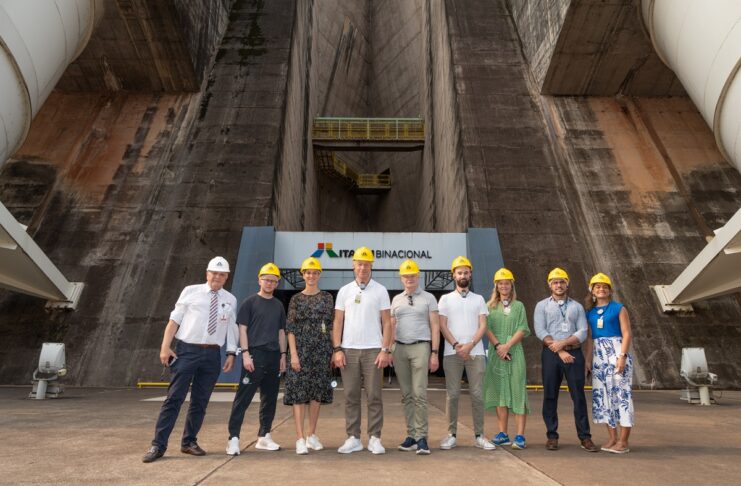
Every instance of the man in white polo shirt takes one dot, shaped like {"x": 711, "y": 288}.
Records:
{"x": 463, "y": 324}
{"x": 362, "y": 342}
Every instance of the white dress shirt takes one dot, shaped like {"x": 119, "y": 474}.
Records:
{"x": 191, "y": 313}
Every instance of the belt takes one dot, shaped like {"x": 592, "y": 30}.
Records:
{"x": 413, "y": 342}
{"x": 569, "y": 347}
{"x": 205, "y": 346}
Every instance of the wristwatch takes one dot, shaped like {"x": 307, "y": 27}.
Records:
{"x": 386, "y": 350}
{"x": 622, "y": 355}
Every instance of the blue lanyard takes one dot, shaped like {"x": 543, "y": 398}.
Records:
{"x": 563, "y": 309}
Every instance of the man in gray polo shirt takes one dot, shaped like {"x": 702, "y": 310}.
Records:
{"x": 416, "y": 324}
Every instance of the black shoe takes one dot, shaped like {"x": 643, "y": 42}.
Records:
{"x": 153, "y": 454}
{"x": 192, "y": 449}
{"x": 409, "y": 444}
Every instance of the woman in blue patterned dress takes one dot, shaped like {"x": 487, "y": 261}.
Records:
{"x": 612, "y": 366}
{"x": 309, "y": 330}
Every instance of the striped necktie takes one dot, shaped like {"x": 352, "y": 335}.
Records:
{"x": 212, "y": 312}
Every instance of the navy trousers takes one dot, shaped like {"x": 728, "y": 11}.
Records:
{"x": 266, "y": 378}
{"x": 196, "y": 366}
{"x": 554, "y": 371}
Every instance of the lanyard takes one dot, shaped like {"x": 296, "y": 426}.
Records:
{"x": 563, "y": 309}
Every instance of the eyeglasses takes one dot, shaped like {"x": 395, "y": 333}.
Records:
{"x": 410, "y": 299}
{"x": 270, "y": 281}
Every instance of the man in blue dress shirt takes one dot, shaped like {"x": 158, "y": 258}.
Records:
{"x": 560, "y": 322}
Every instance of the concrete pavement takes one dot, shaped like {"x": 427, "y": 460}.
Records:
{"x": 94, "y": 436}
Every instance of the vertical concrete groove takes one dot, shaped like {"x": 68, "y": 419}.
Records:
{"x": 632, "y": 109}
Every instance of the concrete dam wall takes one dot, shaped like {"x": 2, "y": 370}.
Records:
{"x": 133, "y": 190}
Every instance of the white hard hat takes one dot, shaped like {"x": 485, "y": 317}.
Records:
{"x": 218, "y": 264}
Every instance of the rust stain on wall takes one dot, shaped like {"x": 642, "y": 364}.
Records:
{"x": 640, "y": 163}
{"x": 88, "y": 138}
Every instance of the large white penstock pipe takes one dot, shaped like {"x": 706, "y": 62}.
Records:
{"x": 38, "y": 40}
{"x": 701, "y": 42}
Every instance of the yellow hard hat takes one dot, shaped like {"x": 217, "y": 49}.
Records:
{"x": 269, "y": 269}
{"x": 600, "y": 278}
{"x": 460, "y": 261}
{"x": 363, "y": 254}
{"x": 311, "y": 263}
{"x": 558, "y": 273}
{"x": 503, "y": 274}
{"x": 409, "y": 267}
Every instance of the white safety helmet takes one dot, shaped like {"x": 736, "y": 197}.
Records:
{"x": 218, "y": 264}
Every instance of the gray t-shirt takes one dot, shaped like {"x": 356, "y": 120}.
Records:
{"x": 413, "y": 320}
{"x": 263, "y": 318}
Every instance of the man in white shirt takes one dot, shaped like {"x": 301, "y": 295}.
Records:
{"x": 362, "y": 348}
{"x": 463, "y": 324}
{"x": 204, "y": 319}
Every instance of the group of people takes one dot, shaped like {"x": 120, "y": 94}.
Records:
{"x": 363, "y": 331}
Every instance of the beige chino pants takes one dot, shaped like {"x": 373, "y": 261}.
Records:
{"x": 475, "y": 369}
{"x": 411, "y": 365}
{"x": 360, "y": 371}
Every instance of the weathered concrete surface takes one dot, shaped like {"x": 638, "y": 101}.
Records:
{"x": 148, "y": 188}
{"x": 94, "y": 436}
{"x": 591, "y": 192}
{"x": 149, "y": 45}
{"x": 643, "y": 223}
{"x": 590, "y": 48}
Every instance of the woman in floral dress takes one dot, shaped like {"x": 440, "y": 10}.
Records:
{"x": 612, "y": 366}
{"x": 308, "y": 379}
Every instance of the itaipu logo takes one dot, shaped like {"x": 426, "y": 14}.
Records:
{"x": 322, "y": 247}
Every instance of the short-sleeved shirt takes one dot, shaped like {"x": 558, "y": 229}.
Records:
{"x": 413, "y": 321}
{"x": 560, "y": 321}
{"x": 463, "y": 318}
{"x": 264, "y": 318}
{"x": 192, "y": 311}
{"x": 362, "y": 328}
{"x": 610, "y": 315}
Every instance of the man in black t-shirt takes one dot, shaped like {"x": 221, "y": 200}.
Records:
{"x": 262, "y": 337}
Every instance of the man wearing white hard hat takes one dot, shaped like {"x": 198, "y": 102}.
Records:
{"x": 203, "y": 320}
{"x": 262, "y": 337}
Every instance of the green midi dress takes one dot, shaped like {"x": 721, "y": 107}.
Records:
{"x": 504, "y": 383}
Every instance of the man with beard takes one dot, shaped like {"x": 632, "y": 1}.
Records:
{"x": 463, "y": 324}
{"x": 561, "y": 324}
{"x": 362, "y": 342}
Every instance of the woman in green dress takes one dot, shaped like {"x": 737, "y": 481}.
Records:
{"x": 504, "y": 384}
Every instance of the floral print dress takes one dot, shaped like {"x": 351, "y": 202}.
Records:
{"x": 309, "y": 319}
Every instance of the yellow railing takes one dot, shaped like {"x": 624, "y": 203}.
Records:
{"x": 331, "y": 165}
{"x": 369, "y": 129}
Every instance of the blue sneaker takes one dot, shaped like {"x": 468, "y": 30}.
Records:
{"x": 409, "y": 444}
{"x": 519, "y": 442}
{"x": 422, "y": 447}
{"x": 501, "y": 439}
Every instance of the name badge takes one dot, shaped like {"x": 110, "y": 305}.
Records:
{"x": 564, "y": 326}
{"x": 600, "y": 323}
{"x": 357, "y": 299}
{"x": 324, "y": 328}
{"x": 507, "y": 310}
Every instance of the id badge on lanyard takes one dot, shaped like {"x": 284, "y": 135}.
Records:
{"x": 563, "y": 309}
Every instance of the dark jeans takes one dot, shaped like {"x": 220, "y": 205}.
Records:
{"x": 553, "y": 372}
{"x": 196, "y": 366}
{"x": 265, "y": 377}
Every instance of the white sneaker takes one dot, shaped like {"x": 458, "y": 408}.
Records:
{"x": 301, "y": 447}
{"x": 266, "y": 443}
{"x": 375, "y": 446}
{"x": 312, "y": 442}
{"x": 352, "y": 444}
{"x": 482, "y": 443}
{"x": 448, "y": 443}
{"x": 232, "y": 447}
